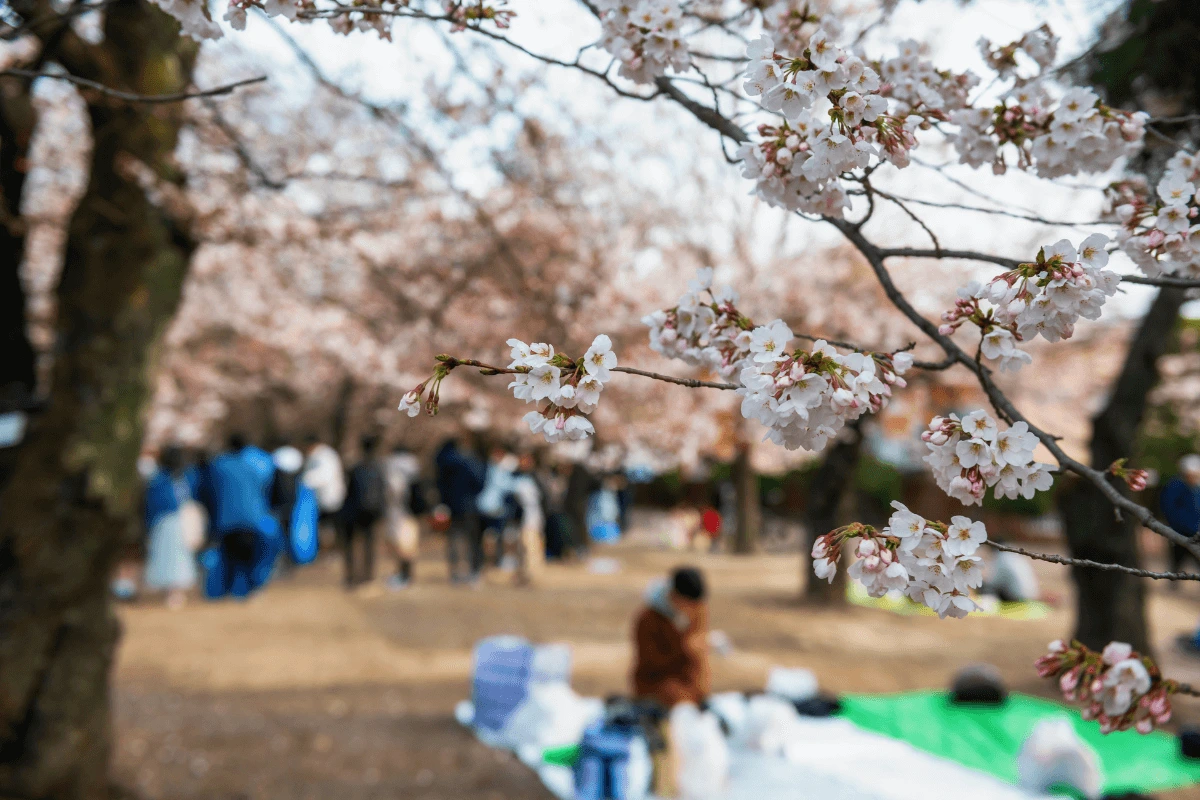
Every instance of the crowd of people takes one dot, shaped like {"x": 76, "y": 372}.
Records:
{"x": 229, "y": 522}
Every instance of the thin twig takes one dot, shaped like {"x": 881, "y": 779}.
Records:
{"x": 1012, "y": 263}
{"x": 1163, "y": 280}
{"x": 936, "y": 366}
{"x": 937, "y": 246}
{"x": 1000, "y": 212}
{"x": 489, "y": 369}
{"x": 690, "y": 382}
{"x": 1087, "y": 562}
{"x": 1174, "y": 120}
{"x": 131, "y": 97}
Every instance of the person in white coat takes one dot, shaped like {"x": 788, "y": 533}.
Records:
{"x": 531, "y": 549}
{"x": 324, "y": 474}
{"x": 404, "y": 501}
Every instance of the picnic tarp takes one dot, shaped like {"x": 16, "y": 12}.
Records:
{"x": 899, "y": 604}
{"x": 988, "y": 738}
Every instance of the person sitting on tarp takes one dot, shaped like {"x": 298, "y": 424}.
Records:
{"x": 1010, "y": 577}
{"x": 671, "y": 641}
{"x": 246, "y": 533}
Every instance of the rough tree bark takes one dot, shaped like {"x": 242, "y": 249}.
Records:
{"x": 831, "y": 486}
{"x": 1110, "y": 605}
{"x": 17, "y": 362}
{"x": 749, "y": 504}
{"x": 69, "y": 505}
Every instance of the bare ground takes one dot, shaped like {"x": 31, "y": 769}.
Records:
{"x": 306, "y": 691}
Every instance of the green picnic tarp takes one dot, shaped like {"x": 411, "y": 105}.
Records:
{"x": 988, "y": 738}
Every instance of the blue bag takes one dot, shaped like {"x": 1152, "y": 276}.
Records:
{"x": 302, "y": 533}
{"x": 500, "y": 680}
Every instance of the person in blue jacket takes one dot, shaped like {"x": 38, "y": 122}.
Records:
{"x": 460, "y": 478}
{"x": 1180, "y": 503}
{"x": 246, "y": 533}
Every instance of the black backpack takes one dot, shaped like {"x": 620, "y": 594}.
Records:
{"x": 417, "y": 503}
{"x": 370, "y": 491}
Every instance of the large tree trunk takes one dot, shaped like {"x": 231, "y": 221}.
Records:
{"x": 69, "y": 507}
{"x": 831, "y": 487}
{"x": 749, "y": 503}
{"x": 1110, "y": 605}
{"x": 17, "y": 364}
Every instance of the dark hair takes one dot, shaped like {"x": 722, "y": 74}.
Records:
{"x": 237, "y": 441}
{"x": 171, "y": 458}
{"x": 369, "y": 443}
{"x": 689, "y": 582}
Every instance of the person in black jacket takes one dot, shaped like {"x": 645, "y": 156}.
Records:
{"x": 460, "y": 477}
{"x": 366, "y": 502}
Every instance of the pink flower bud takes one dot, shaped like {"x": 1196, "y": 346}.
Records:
{"x": 1145, "y": 725}
{"x": 1155, "y": 238}
{"x": 945, "y": 330}
{"x": 1069, "y": 680}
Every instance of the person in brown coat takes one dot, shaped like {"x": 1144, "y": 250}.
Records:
{"x": 671, "y": 642}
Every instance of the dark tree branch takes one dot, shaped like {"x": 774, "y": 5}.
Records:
{"x": 132, "y": 97}
{"x": 1087, "y": 562}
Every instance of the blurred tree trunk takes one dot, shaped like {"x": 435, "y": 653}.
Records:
{"x": 70, "y": 504}
{"x": 1110, "y": 605}
{"x": 832, "y": 487}
{"x": 18, "y": 376}
{"x": 749, "y": 503}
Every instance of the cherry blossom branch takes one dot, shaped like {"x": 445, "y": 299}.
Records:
{"x": 451, "y": 362}
{"x": 689, "y": 382}
{"x": 341, "y": 9}
{"x": 997, "y": 397}
{"x": 1166, "y": 281}
{"x": 1087, "y": 562}
{"x": 132, "y": 97}
{"x": 1012, "y": 263}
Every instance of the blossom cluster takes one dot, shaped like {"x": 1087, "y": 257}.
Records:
{"x": 804, "y": 398}
{"x": 1161, "y": 235}
{"x": 917, "y": 86}
{"x": 571, "y": 389}
{"x": 797, "y": 164}
{"x": 930, "y": 562}
{"x": 969, "y": 455}
{"x": 1076, "y": 134}
{"x": 703, "y": 329}
{"x": 1119, "y": 688}
{"x": 646, "y": 36}
{"x": 998, "y": 340}
{"x": 1045, "y": 297}
{"x": 1040, "y": 44}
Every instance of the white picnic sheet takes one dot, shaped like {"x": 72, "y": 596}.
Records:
{"x": 829, "y": 759}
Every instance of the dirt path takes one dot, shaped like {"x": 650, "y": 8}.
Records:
{"x": 306, "y": 691}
